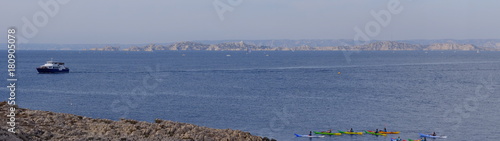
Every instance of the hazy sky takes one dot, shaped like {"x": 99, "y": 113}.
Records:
{"x": 148, "y": 21}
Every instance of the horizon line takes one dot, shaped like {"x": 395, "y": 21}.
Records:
{"x": 238, "y": 40}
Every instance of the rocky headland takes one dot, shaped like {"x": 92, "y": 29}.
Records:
{"x": 44, "y": 125}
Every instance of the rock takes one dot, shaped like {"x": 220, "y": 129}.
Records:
{"x": 44, "y": 125}
{"x": 8, "y": 136}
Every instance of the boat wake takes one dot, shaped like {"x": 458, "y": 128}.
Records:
{"x": 272, "y": 69}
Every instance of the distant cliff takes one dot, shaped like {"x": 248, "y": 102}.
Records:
{"x": 390, "y": 45}
{"x": 234, "y": 46}
{"x": 386, "y": 45}
{"x": 451, "y": 46}
{"x": 280, "y": 44}
{"x": 242, "y": 46}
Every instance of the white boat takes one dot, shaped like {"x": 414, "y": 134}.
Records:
{"x": 53, "y": 67}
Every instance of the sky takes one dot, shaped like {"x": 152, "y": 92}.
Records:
{"x": 161, "y": 21}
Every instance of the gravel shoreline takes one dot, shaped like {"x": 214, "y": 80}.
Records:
{"x": 45, "y": 125}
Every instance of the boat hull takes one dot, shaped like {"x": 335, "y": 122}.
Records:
{"x": 42, "y": 70}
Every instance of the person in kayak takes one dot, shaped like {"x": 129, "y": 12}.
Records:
{"x": 434, "y": 134}
{"x": 351, "y": 130}
{"x": 329, "y": 131}
{"x": 310, "y": 133}
{"x": 385, "y": 130}
{"x": 399, "y": 139}
{"x": 376, "y": 131}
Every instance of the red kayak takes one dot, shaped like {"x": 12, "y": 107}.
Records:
{"x": 385, "y": 132}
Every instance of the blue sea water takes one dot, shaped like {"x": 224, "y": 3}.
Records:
{"x": 276, "y": 94}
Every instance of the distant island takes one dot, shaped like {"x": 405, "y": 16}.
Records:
{"x": 279, "y": 45}
{"x": 373, "y": 46}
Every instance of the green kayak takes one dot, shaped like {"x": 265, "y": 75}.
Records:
{"x": 352, "y": 133}
{"x": 373, "y": 133}
{"x": 326, "y": 133}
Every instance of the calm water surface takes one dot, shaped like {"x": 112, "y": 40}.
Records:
{"x": 277, "y": 94}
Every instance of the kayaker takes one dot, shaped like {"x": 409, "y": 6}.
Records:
{"x": 425, "y": 139}
{"x": 376, "y": 131}
{"x": 385, "y": 130}
{"x": 329, "y": 131}
{"x": 310, "y": 133}
{"x": 434, "y": 134}
{"x": 351, "y": 130}
{"x": 399, "y": 139}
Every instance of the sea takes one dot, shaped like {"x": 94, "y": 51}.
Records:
{"x": 276, "y": 94}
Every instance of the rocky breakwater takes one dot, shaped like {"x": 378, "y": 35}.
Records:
{"x": 44, "y": 125}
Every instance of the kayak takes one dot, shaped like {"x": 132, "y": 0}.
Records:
{"x": 373, "y": 133}
{"x": 414, "y": 140}
{"x": 430, "y": 136}
{"x": 352, "y": 133}
{"x": 394, "y": 139}
{"x": 385, "y": 132}
{"x": 326, "y": 133}
{"x": 307, "y": 136}
{"x": 389, "y": 132}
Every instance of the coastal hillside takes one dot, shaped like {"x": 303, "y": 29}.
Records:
{"x": 176, "y": 46}
{"x": 451, "y": 46}
{"x": 387, "y": 45}
{"x": 242, "y": 46}
{"x": 284, "y": 44}
{"x": 45, "y": 125}
{"x": 232, "y": 46}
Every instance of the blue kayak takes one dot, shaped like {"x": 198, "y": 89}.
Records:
{"x": 307, "y": 136}
{"x": 431, "y": 136}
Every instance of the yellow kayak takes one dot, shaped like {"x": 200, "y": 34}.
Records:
{"x": 352, "y": 133}
{"x": 373, "y": 133}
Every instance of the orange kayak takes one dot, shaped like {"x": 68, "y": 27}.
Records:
{"x": 388, "y": 132}
{"x": 382, "y": 132}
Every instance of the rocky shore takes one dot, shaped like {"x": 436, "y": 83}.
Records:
{"x": 44, "y": 125}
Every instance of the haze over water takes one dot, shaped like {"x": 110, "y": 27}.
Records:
{"x": 276, "y": 94}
